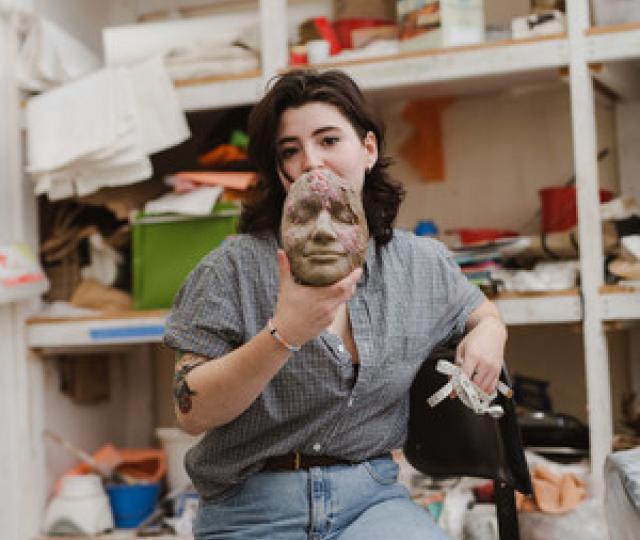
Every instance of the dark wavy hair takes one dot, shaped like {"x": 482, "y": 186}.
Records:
{"x": 262, "y": 209}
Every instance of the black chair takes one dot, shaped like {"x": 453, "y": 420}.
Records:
{"x": 450, "y": 440}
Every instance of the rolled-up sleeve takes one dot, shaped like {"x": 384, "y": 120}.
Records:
{"x": 462, "y": 296}
{"x": 206, "y": 317}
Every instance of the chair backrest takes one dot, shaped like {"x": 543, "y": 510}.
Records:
{"x": 451, "y": 440}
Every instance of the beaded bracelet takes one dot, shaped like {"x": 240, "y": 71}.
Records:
{"x": 276, "y": 335}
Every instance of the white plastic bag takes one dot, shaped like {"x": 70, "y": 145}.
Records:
{"x": 20, "y": 274}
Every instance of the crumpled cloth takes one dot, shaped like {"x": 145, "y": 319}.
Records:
{"x": 552, "y": 493}
{"x": 99, "y": 130}
{"x": 474, "y": 398}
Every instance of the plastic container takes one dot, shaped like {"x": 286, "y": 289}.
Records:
{"x": 176, "y": 443}
{"x": 132, "y": 504}
{"x": 426, "y": 227}
{"x": 558, "y": 206}
{"x": 81, "y": 507}
{"x": 167, "y": 247}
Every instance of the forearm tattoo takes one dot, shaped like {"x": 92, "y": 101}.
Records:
{"x": 182, "y": 393}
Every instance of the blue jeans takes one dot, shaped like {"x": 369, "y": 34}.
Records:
{"x": 346, "y": 502}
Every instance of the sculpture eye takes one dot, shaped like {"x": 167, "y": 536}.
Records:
{"x": 343, "y": 213}
{"x": 306, "y": 210}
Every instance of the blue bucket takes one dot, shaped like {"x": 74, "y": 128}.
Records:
{"x": 132, "y": 504}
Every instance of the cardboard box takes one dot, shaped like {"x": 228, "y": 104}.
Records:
{"x": 427, "y": 24}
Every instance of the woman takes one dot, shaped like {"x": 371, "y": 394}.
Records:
{"x": 303, "y": 391}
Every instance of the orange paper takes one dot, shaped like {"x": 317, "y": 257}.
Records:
{"x": 424, "y": 149}
{"x": 232, "y": 180}
{"x": 223, "y": 153}
{"x": 552, "y": 494}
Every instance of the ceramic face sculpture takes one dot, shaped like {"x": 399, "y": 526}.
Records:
{"x": 324, "y": 229}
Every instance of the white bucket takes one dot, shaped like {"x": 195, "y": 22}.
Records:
{"x": 176, "y": 443}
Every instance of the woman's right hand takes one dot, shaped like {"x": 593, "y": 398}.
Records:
{"x": 304, "y": 312}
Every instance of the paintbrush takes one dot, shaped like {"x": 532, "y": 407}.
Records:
{"x": 107, "y": 471}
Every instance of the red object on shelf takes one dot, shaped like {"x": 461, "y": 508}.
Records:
{"x": 326, "y": 31}
{"x": 470, "y": 237}
{"x": 344, "y": 27}
{"x": 558, "y": 205}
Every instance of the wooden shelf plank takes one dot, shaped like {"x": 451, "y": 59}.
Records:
{"x": 138, "y": 327}
{"x": 620, "y": 303}
{"x": 614, "y": 43}
{"x": 540, "y": 308}
{"x": 454, "y": 70}
{"x": 107, "y": 329}
{"x": 220, "y": 92}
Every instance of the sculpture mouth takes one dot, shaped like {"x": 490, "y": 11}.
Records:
{"x": 324, "y": 256}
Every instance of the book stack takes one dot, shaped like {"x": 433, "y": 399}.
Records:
{"x": 477, "y": 263}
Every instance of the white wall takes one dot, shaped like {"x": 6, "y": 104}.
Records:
{"x": 499, "y": 150}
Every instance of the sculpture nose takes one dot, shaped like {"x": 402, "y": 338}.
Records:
{"x": 323, "y": 230}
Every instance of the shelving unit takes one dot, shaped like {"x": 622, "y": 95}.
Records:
{"x": 606, "y": 55}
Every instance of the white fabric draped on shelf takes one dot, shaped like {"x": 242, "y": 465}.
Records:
{"x": 99, "y": 130}
{"x": 47, "y": 56}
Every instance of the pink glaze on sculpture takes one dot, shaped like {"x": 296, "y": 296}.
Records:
{"x": 324, "y": 229}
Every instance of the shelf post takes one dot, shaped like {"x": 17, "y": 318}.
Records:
{"x": 273, "y": 38}
{"x": 590, "y": 240}
{"x": 21, "y": 456}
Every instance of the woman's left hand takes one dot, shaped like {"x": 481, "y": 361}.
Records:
{"x": 481, "y": 352}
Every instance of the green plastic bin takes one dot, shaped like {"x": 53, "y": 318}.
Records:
{"x": 166, "y": 247}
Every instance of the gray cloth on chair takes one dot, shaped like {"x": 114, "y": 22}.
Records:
{"x": 622, "y": 501}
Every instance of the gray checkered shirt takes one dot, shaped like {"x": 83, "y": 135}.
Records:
{"x": 411, "y": 297}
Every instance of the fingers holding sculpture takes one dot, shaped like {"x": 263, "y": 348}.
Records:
{"x": 303, "y": 312}
{"x": 324, "y": 236}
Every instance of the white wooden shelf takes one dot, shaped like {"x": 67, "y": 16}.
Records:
{"x": 139, "y": 327}
{"x": 464, "y": 70}
{"x": 220, "y": 92}
{"x": 614, "y": 43}
{"x": 127, "y": 328}
{"x": 456, "y": 70}
{"x": 620, "y": 304}
{"x": 542, "y": 308}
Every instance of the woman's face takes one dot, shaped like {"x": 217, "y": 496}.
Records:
{"x": 324, "y": 228}
{"x": 318, "y": 136}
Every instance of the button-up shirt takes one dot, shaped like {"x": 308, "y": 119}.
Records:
{"x": 411, "y": 297}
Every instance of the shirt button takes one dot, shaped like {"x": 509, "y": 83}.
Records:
{"x": 340, "y": 348}
{"x": 317, "y": 447}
